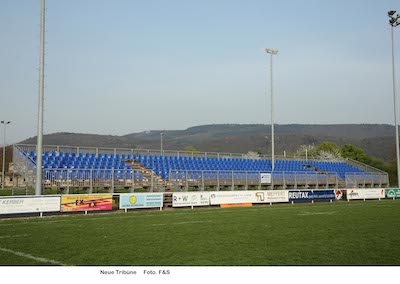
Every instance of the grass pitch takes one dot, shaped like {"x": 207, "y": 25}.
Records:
{"x": 341, "y": 233}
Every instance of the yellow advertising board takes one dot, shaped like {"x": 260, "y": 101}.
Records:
{"x": 86, "y": 202}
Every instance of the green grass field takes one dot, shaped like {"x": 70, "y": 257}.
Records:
{"x": 341, "y": 233}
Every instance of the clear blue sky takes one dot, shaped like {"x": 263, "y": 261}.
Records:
{"x": 117, "y": 67}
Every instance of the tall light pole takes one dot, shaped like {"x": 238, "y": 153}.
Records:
{"x": 394, "y": 22}
{"x": 4, "y": 155}
{"x": 272, "y": 52}
{"x": 161, "y": 140}
{"x": 39, "y": 150}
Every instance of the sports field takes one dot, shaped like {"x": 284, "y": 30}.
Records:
{"x": 340, "y": 233}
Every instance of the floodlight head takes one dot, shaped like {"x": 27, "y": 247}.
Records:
{"x": 391, "y": 13}
{"x": 271, "y": 51}
{"x": 392, "y": 21}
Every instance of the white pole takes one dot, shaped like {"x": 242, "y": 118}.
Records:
{"x": 272, "y": 52}
{"x": 395, "y": 112}
{"x": 272, "y": 120}
{"x": 3, "y": 173}
{"x": 39, "y": 150}
{"x": 161, "y": 152}
{"x": 4, "y": 156}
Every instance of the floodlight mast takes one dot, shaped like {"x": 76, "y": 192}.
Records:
{"x": 39, "y": 150}
{"x": 161, "y": 142}
{"x": 272, "y": 52}
{"x": 3, "y": 172}
{"x": 394, "y": 22}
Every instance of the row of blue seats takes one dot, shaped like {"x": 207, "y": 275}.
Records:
{"x": 88, "y": 174}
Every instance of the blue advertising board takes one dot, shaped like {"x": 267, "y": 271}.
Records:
{"x": 140, "y": 200}
{"x": 324, "y": 194}
{"x": 300, "y": 195}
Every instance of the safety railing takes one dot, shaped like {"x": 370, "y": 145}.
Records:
{"x": 362, "y": 179}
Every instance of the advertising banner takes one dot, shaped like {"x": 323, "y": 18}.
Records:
{"x": 271, "y": 196}
{"x": 248, "y": 196}
{"x": 300, "y": 195}
{"x": 141, "y": 200}
{"x": 365, "y": 193}
{"x": 86, "y": 202}
{"x": 265, "y": 178}
{"x": 392, "y": 192}
{"x": 181, "y": 199}
{"x": 324, "y": 194}
{"x": 232, "y": 197}
{"x": 32, "y": 204}
{"x": 338, "y": 194}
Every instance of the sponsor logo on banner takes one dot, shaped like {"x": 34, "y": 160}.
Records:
{"x": 248, "y": 196}
{"x": 277, "y": 196}
{"x": 181, "y": 199}
{"x": 300, "y": 195}
{"x": 338, "y": 194}
{"x": 140, "y": 200}
{"x": 15, "y": 205}
{"x": 232, "y": 197}
{"x": 392, "y": 193}
{"x": 324, "y": 194}
{"x": 86, "y": 202}
{"x": 365, "y": 193}
{"x": 265, "y": 178}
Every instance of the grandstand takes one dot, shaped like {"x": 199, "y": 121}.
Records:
{"x": 115, "y": 170}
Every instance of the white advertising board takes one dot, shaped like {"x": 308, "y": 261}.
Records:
{"x": 248, "y": 196}
{"x": 182, "y": 199}
{"x": 231, "y": 197}
{"x": 277, "y": 196}
{"x": 15, "y": 205}
{"x": 265, "y": 178}
{"x": 365, "y": 193}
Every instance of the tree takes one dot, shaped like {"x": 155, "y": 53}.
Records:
{"x": 301, "y": 152}
{"x": 252, "y": 155}
{"x": 355, "y": 153}
{"x": 192, "y": 149}
{"x": 327, "y": 151}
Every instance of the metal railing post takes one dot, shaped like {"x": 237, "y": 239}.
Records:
{"x": 337, "y": 181}
{"x": 217, "y": 180}
{"x": 169, "y": 179}
{"x": 91, "y": 181}
{"x": 283, "y": 180}
{"x": 68, "y": 178}
{"x": 133, "y": 181}
{"x": 364, "y": 181}
{"x": 246, "y": 185}
{"x": 327, "y": 181}
{"x": 112, "y": 180}
{"x": 186, "y": 182}
{"x": 151, "y": 182}
{"x": 272, "y": 180}
{"x": 202, "y": 181}
{"x": 233, "y": 183}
